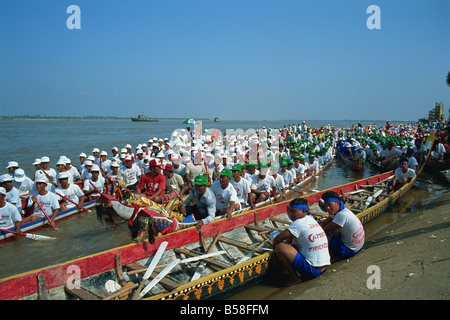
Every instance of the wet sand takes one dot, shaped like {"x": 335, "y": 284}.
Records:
{"x": 412, "y": 255}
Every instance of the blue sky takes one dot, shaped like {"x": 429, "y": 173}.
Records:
{"x": 236, "y": 59}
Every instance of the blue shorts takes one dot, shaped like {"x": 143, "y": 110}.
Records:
{"x": 306, "y": 270}
{"x": 338, "y": 248}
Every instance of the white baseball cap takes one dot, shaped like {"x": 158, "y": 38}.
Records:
{"x": 3, "y": 191}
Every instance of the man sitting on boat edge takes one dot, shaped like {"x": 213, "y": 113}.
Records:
{"x": 308, "y": 254}
{"x": 344, "y": 230}
{"x": 204, "y": 210}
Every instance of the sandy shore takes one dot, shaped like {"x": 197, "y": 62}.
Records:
{"x": 412, "y": 255}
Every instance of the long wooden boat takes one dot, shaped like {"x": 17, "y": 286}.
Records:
{"x": 356, "y": 165}
{"x": 361, "y": 196}
{"x": 39, "y": 223}
{"x": 88, "y": 268}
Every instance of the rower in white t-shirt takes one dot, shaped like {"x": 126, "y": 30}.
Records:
{"x": 241, "y": 185}
{"x": 9, "y": 215}
{"x": 402, "y": 176}
{"x": 308, "y": 254}
{"x": 226, "y": 197}
{"x": 344, "y": 229}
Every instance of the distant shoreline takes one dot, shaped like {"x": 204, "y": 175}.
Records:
{"x": 92, "y": 118}
{"x": 76, "y": 119}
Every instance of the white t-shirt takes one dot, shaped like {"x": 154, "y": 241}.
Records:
{"x": 24, "y": 187}
{"x": 311, "y": 240}
{"x": 224, "y": 196}
{"x": 263, "y": 185}
{"x": 13, "y": 197}
{"x": 73, "y": 192}
{"x": 351, "y": 228}
{"x": 412, "y": 162}
{"x": 8, "y": 216}
{"x": 401, "y": 175}
{"x": 99, "y": 184}
{"x": 129, "y": 176}
{"x": 242, "y": 189}
{"x": 300, "y": 170}
{"x": 49, "y": 203}
{"x": 287, "y": 177}
{"x": 279, "y": 181}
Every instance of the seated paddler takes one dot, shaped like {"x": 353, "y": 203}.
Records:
{"x": 302, "y": 248}
{"x": 344, "y": 230}
{"x": 204, "y": 209}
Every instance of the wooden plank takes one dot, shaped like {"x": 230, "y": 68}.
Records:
{"x": 82, "y": 293}
{"x": 280, "y": 220}
{"x": 118, "y": 269}
{"x": 168, "y": 284}
{"x": 42, "y": 292}
{"x": 238, "y": 244}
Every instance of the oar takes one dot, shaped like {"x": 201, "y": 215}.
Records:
{"x": 95, "y": 188}
{"x": 30, "y": 235}
{"x": 294, "y": 190}
{"x": 313, "y": 190}
{"x": 264, "y": 186}
{"x": 250, "y": 254}
{"x": 279, "y": 190}
{"x": 46, "y": 215}
{"x": 158, "y": 278}
{"x": 196, "y": 258}
{"x": 73, "y": 202}
{"x": 150, "y": 268}
{"x": 201, "y": 266}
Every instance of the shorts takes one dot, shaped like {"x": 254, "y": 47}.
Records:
{"x": 306, "y": 270}
{"x": 169, "y": 196}
{"x": 133, "y": 186}
{"x": 338, "y": 248}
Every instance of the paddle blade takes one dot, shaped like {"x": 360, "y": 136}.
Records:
{"x": 158, "y": 278}
{"x": 155, "y": 260}
{"x": 37, "y": 237}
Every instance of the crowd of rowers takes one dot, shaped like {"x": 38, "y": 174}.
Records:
{"x": 221, "y": 173}
{"x": 393, "y": 142}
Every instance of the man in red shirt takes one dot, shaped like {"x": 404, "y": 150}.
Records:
{"x": 153, "y": 183}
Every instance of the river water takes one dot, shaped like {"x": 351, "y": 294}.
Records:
{"x": 83, "y": 234}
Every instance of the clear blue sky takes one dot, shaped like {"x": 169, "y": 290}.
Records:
{"x": 236, "y": 59}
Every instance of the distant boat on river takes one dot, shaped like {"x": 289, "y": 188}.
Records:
{"x": 143, "y": 118}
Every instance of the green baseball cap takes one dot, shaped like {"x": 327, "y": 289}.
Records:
{"x": 226, "y": 172}
{"x": 237, "y": 167}
{"x": 200, "y": 180}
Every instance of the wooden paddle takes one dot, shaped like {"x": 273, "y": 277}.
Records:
{"x": 46, "y": 215}
{"x": 264, "y": 186}
{"x": 201, "y": 266}
{"x": 150, "y": 268}
{"x": 158, "y": 278}
{"x": 30, "y": 235}
{"x": 73, "y": 202}
{"x": 250, "y": 254}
